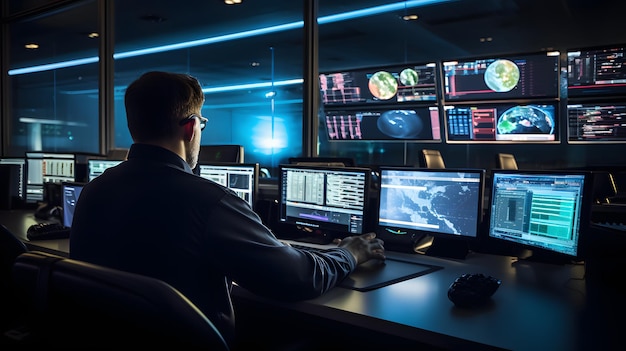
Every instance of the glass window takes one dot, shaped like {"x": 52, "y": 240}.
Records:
{"x": 248, "y": 59}
{"x": 53, "y": 82}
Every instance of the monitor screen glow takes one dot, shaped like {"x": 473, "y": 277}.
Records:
{"x": 379, "y": 85}
{"x": 501, "y": 122}
{"x": 325, "y": 199}
{"x": 443, "y": 203}
{"x": 596, "y": 71}
{"x": 402, "y": 124}
{"x": 545, "y": 211}
{"x": 242, "y": 178}
{"x": 507, "y": 77}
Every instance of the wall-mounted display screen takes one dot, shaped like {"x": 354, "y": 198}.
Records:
{"x": 596, "y": 71}
{"x": 400, "y": 83}
{"x": 417, "y": 123}
{"x": 497, "y": 78}
{"x": 602, "y": 122}
{"x": 504, "y": 122}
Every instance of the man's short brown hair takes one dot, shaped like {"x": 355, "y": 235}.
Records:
{"x": 157, "y": 101}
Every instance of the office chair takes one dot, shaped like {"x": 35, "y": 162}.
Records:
{"x": 221, "y": 153}
{"x": 323, "y": 161}
{"x": 506, "y": 161}
{"x": 432, "y": 159}
{"x": 70, "y": 303}
{"x": 117, "y": 154}
{"x": 10, "y": 247}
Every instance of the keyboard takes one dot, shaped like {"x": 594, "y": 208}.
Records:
{"x": 47, "y": 231}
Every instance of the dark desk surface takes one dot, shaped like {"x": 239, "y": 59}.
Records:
{"x": 538, "y": 306}
{"x": 18, "y": 221}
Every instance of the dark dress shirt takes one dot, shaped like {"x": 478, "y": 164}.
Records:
{"x": 151, "y": 215}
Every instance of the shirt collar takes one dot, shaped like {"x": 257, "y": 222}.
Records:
{"x": 158, "y": 154}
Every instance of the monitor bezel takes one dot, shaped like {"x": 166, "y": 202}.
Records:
{"x": 291, "y": 229}
{"x": 457, "y": 245}
{"x": 531, "y": 252}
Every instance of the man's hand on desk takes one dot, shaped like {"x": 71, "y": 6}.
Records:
{"x": 363, "y": 247}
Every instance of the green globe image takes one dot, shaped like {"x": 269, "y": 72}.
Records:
{"x": 525, "y": 120}
{"x": 409, "y": 77}
{"x": 502, "y": 76}
{"x": 383, "y": 85}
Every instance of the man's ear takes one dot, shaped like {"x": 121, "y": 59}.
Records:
{"x": 189, "y": 130}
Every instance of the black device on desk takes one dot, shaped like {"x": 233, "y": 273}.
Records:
{"x": 70, "y": 191}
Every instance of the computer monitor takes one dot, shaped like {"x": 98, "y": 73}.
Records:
{"x": 96, "y": 167}
{"x": 544, "y": 211}
{"x": 47, "y": 167}
{"x": 18, "y": 181}
{"x": 242, "y": 178}
{"x": 323, "y": 202}
{"x": 442, "y": 203}
{"x": 71, "y": 192}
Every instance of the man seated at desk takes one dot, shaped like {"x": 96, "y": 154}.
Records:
{"x": 151, "y": 215}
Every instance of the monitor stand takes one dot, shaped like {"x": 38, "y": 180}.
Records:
{"x": 448, "y": 248}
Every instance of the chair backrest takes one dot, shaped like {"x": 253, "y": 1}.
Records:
{"x": 71, "y": 303}
{"x": 432, "y": 159}
{"x": 506, "y": 161}
{"x": 117, "y": 154}
{"x": 323, "y": 161}
{"x": 10, "y": 248}
{"x": 221, "y": 153}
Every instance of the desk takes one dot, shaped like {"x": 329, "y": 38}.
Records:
{"x": 18, "y": 221}
{"x": 538, "y": 307}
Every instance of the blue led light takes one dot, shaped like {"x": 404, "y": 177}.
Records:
{"x": 246, "y": 34}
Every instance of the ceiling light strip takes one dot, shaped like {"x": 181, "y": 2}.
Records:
{"x": 246, "y": 34}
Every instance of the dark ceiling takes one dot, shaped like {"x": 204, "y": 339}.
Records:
{"x": 445, "y": 30}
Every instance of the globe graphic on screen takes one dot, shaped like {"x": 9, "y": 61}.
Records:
{"x": 502, "y": 76}
{"x": 400, "y": 124}
{"x": 409, "y": 77}
{"x": 525, "y": 120}
{"x": 383, "y": 85}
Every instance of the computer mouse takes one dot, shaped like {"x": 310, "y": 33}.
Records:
{"x": 472, "y": 290}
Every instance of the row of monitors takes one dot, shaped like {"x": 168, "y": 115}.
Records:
{"x": 37, "y": 169}
{"x": 544, "y": 211}
{"x": 590, "y": 72}
{"x": 480, "y": 122}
